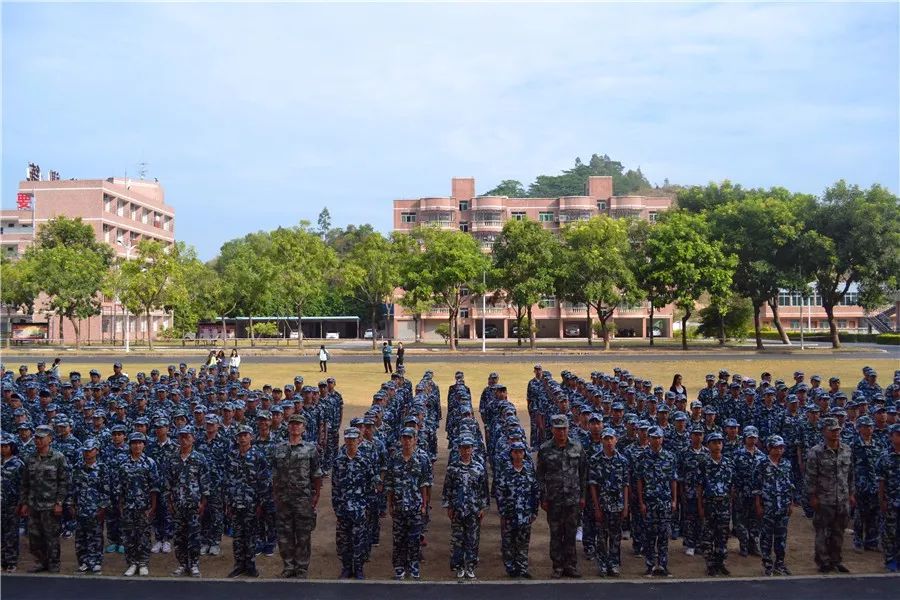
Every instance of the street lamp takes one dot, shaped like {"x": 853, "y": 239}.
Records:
{"x": 128, "y": 248}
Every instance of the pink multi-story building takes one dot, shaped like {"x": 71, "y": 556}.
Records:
{"x": 122, "y": 212}
{"x": 483, "y": 218}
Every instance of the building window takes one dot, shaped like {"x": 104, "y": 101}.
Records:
{"x": 518, "y": 215}
{"x": 795, "y": 324}
{"x": 463, "y": 291}
{"x": 408, "y": 217}
{"x": 652, "y": 217}
{"x": 120, "y": 208}
{"x": 463, "y": 205}
{"x": 842, "y": 323}
{"x": 849, "y": 299}
{"x": 134, "y": 212}
{"x": 548, "y": 301}
{"x": 107, "y": 204}
{"x": 545, "y": 217}
{"x": 464, "y": 226}
{"x": 601, "y": 205}
{"x": 463, "y": 313}
{"x": 106, "y": 233}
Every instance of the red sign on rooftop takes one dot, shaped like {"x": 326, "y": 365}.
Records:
{"x": 23, "y": 201}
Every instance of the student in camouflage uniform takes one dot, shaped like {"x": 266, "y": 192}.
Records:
{"x": 773, "y": 490}
{"x": 888, "y": 471}
{"x": 518, "y": 498}
{"x": 715, "y": 488}
{"x": 830, "y": 485}
{"x": 465, "y": 496}
{"x": 746, "y": 461}
{"x": 215, "y": 447}
{"x": 689, "y": 462}
{"x": 45, "y": 480}
{"x": 89, "y": 501}
{"x": 248, "y": 485}
{"x": 188, "y": 486}
{"x": 162, "y": 449}
{"x": 408, "y": 478}
{"x": 10, "y": 488}
{"x": 656, "y": 485}
{"x": 138, "y": 482}
{"x": 562, "y": 474}
{"x": 352, "y": 485}
{"x": 296, "y": 483}
{"x": 610, "y": 490}
{"x": 866, "y": 518}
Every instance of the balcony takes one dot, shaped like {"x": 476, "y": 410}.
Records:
{"x": 437, "y": 204}
{"x": 576, "y": 203}
{"x": 488, "y": 203}
{"x": 492, "y": 225}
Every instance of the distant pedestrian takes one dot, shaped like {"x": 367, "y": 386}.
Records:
{"x": 386, "y": 351}
{"x": 235, "y": 360}
{"x": 323, "y": 359}
{"x": 400, "y": 352}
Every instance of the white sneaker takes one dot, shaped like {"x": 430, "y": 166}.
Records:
{"x": 179, "y": 571}
{"x": 460, "y": 573}
{"x": 214, "y": 550}
{"x": 204, "y": 549}
{"x": 143, "y": 571}
{"x": 157, "y": 546}
{"x": 166, "y": 547}
{"x": 96, "y": 569}
{"x": 578, "y": 534}
{"x": 195, "y": 571}
{"x": 131, "y": 570}
{"x": 82, "y": 568}
{"x": 470, "y": 573}
{"x": 689, "y": 551}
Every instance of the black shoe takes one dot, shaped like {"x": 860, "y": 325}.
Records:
{"x": 783, "y": 570}
{"x": 525, "y": 575}
{"x": 664, "y": 572}
{"x": 345, "y": 573}
{"x": 711, "y": 571}
{"x": 251, "y": 572}
{"x": 556, "y": 574}
{"x": 236, "y": 572}
{"x": 650, "y": 572}
{"x": 840, "y": 568}
{"x": 288, "y": 573}
{"x": 512, "y": 574}
{"x": 825, "y": 569}
{"x": 724, "y": 570}
{"x": 572, "y": 572}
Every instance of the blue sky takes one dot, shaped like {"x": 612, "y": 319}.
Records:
{"x": 254, "y": 116}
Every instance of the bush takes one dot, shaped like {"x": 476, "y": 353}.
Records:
{"x": 443, "y": 330}
{"x": 888, "y": 338}
{"x": 738, "y": 319}
{"x": 265, "y": 330}
{"x": 598, "y": 329}
{"x": 167, "y": 333}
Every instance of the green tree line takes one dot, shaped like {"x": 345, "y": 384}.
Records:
{"x": 723, "y": 246}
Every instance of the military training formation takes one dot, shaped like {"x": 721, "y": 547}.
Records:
{"x": 175, "y": 461}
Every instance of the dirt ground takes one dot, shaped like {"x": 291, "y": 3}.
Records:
{"x": 358, "y": 382}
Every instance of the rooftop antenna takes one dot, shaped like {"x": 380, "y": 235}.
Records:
{"x": 142, "y": 169}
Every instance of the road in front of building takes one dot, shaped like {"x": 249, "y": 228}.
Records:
{"x": 27, "y": 587}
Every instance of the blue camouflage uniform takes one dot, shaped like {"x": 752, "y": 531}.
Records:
{"x": 773, "y": 486}
{"x": 518, "y": 499}
{"x": 407, "y": 481}
{"x": 609, "y": 477}
{"x": 138, "y": 484}
{"x": 465, "y": 492}
{"x": 657, "y": 471}
{"x": 248, "y": 486}
{"x": 352, "y": 485}
{"x": 888, "y": 473}
{"x": 90, "y": 497}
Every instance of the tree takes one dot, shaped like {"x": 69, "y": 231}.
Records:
{"x": 572, "y": 182}
{"x": 699, "y": 199}
{"x": 444, "y": 262}
{"x": 324, "y": 222}
{"x": 305, "y": 269}
{"x": 647, "y": 270}
{"x": 70, "y": 266}
{"x": 690, "y": 262}
{"x": 730, "y": 319}
{"x": 154, "y": 280}
{"x": 343, "y": 240}
{"x": 247, "y": 277}
{"x": 855, "y": 234}
{"x": 371, "y": 273}
{"x": 523, "y": 268}
{"x": 19, "y": 290}
{"x": 200, "y": 301}
{"x": 760, "y": 229}
{"x": 594, "y": 268}
{"x": 508, "y": 187}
